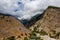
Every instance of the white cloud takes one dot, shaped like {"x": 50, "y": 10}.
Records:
{"x": 25, "y": 9}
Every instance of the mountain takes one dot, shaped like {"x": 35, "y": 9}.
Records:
{"x": 50, "y": 22}
{"x": 12, "y": 27}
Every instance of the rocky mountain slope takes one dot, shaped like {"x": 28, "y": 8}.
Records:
{"x": 46, "y": 28}
{"x": 50, "y": 23}
{"x": 12, "y": 27}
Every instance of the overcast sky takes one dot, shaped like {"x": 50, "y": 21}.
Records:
{"x": 25, "y": 9}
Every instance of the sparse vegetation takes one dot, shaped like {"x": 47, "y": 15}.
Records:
{"x": 11, "y": 38}
{"x": 55, "y": 36}
{"x": 25, "y": 38}
{"x": 34, "y": 36}
{"x": 54, "y": 32}
{"x": 43, "y": 32}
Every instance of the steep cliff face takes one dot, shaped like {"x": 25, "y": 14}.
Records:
{"x": 51, "y": 18}
{"x": 50, "y": 22}
{"x": 10, "y": 26}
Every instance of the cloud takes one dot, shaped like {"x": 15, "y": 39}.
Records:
{"x": 25, "y": 9}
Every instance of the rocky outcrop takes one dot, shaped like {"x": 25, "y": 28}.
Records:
{"x": 11, "y": 26}
{"x": 50, "y": 22}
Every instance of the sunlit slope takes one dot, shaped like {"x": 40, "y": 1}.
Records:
{"x": 10, "y": 26}
{"x": 50, "y": 23}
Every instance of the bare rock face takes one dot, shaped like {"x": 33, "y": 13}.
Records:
{"x": 51, "y": 18}
{"x": 51, "y": 22}
{"x": 10, "y": 26}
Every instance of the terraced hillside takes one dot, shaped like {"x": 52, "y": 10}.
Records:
{"x": 12, "y": 27}
{"x": 50, "y": 23}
